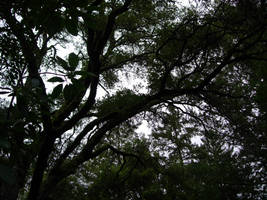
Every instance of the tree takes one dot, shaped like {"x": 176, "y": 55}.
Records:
{"x": 200, "y": 68}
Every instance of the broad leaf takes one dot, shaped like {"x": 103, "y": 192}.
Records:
{"x": 62, "y": 63}
{"x": 73, "y": 61}
{"x": 56, "y": 91}
{"x": 69, "y": 92}
{"x": 55, "y": 79}
{"x": 4, "y": 92}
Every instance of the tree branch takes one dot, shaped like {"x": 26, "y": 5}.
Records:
{"x": 121, "y": 63}
{"x": 71, "y": 147}
{"x": 111, "y": 23}
{"x": 96, "y": 2}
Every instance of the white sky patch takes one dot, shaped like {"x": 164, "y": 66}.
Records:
{"x": 64, "y": 51}
{"x": 144, "y": 130}
{"x": 132, "y": 82}
{"x": 196, "y": 140}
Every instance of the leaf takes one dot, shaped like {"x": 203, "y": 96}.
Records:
{"x": 56, "y": 91}
{"x": 12, "y": 94}
{"x": 62, "y": 63}
{"x": 69, "y": 92}
{"x": 73, "y": 61}
{"x": 55, "y": 79}
{"x": 72, "y": 26}
{"x": 4, "y": 92}
{"x": 7, "y": 174}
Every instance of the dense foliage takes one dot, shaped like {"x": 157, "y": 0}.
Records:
{"x": 78, "y": 77}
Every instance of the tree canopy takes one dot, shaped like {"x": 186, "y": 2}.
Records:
{"x": 78, "y": 77}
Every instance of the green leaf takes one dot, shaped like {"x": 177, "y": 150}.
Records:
{"x": 12, "y": 94}
{"x": 7, "y": 174}
{"x": 4, "y": 92}
{"x": 56, "y": 91}
{"x": 62, "y": 63}
{"x": 73, "y": 61}
{"x": 72, "y": 26}
{"x": 69, "y": 92}
{"x": 55, "y": 79}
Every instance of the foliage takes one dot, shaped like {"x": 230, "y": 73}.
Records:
{"x": 190, "y": 72}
